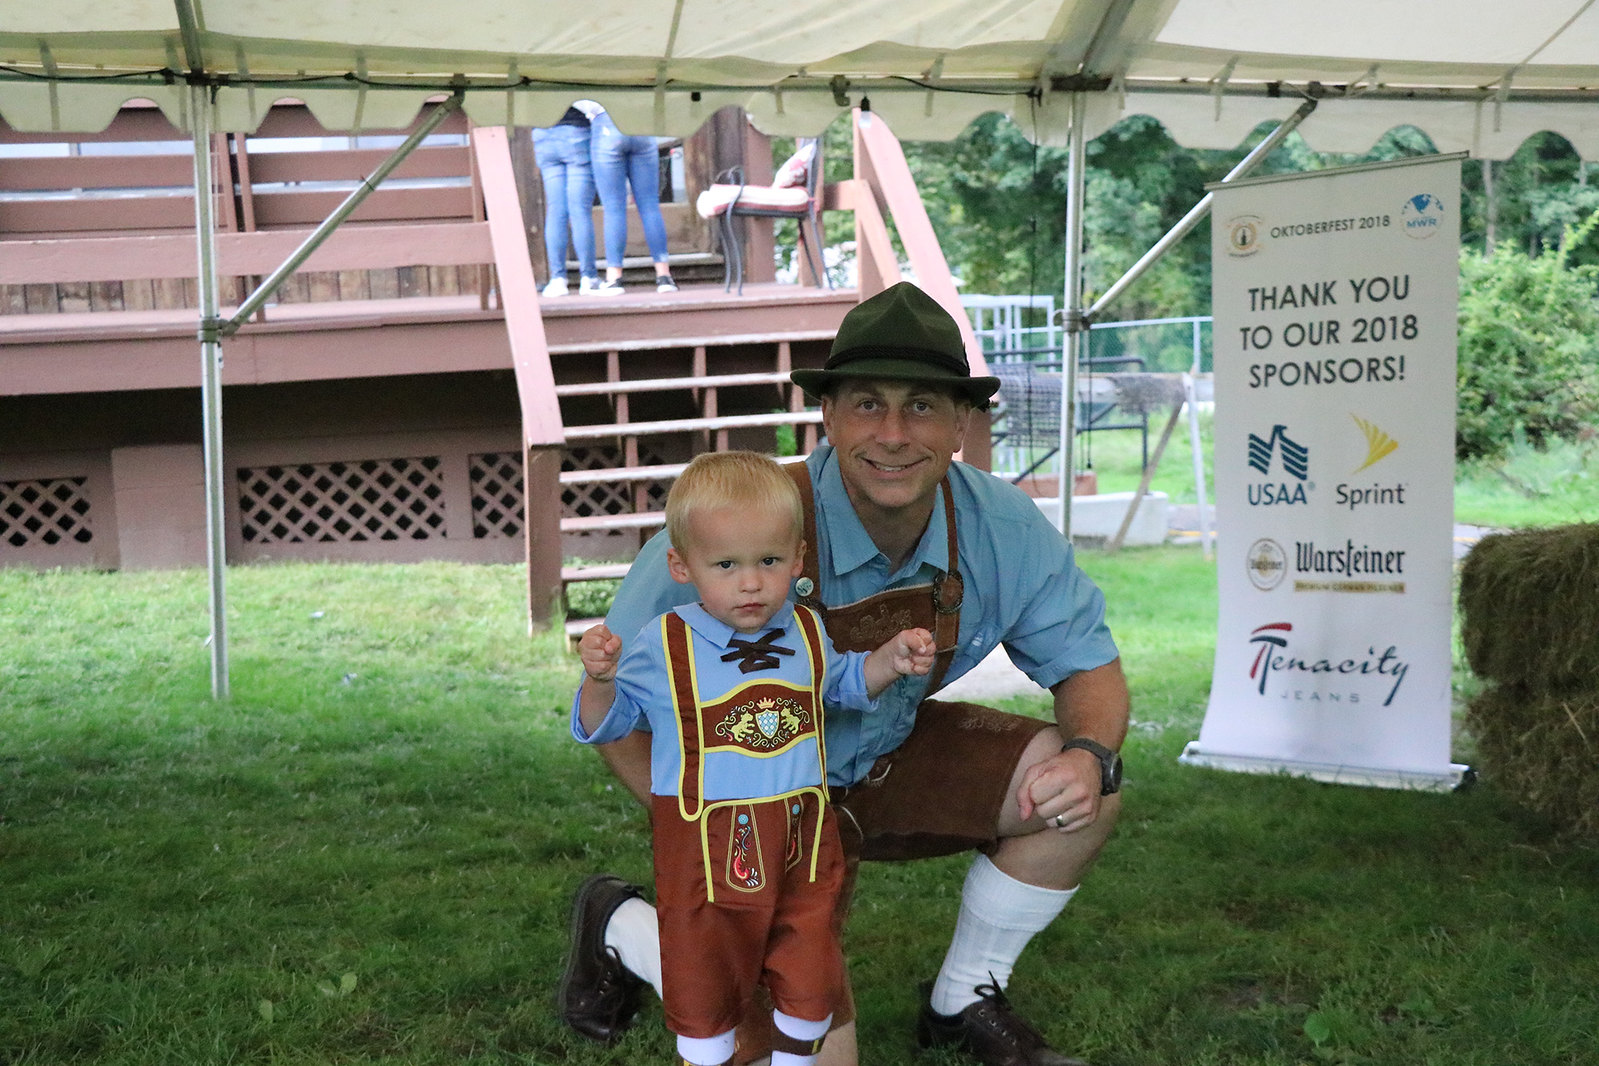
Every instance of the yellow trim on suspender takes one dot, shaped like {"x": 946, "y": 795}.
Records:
{"x": 699, "y": 726}
{"x": 811, "y": 623}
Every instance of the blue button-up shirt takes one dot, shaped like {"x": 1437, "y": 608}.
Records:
{"x": 1023, "y": 589}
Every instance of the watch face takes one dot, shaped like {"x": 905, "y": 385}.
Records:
{"x": 1112, "y": 776}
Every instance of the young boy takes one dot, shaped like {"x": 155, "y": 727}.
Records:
{"x": 747, "y": 860}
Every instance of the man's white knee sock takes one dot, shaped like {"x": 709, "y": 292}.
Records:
{"x": 636, "y": 936}
{"x": 998, "y": 916}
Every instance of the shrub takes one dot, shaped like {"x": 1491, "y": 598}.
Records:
{"x": 1528, "y": 348}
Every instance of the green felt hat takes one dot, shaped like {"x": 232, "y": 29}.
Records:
{"x": 901, "y": 334}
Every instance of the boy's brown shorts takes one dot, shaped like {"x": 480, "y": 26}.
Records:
{"x": 938, "y": 793}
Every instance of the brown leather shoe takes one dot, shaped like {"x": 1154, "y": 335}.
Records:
{"x": 598, "y": 996}
{"x": 990, "y": 1030}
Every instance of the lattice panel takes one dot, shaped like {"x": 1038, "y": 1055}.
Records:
{"x": 47, "y": 511}
{"x": 373, "y": 499}
{"x": 609, "y": 497}
{"x": 497, "y": 489}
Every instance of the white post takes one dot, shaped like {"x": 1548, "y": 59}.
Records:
{"x": 200, "y": 116}
{"x": 1073, "y": 309}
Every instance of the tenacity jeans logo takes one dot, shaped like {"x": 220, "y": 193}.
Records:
{"x": 1274, "y": 635}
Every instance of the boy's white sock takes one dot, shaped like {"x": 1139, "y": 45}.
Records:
{"x": 798, "y": 1029}
{"x": 706, "y": 1050}
{"x": 636, "y": 936}
{"x": 998, "y": 916}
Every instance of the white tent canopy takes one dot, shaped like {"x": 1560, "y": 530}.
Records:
{"x": 1476, "y": 75}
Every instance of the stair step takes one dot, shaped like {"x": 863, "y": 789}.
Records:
{"x": 685, "y": 425}
{"x": 606, "y": 522}
{"x": 664, "y": 472}
{"x": 596, "y": 572}
{"x": 576, "y": 627}
{"x": 606, "y": 388}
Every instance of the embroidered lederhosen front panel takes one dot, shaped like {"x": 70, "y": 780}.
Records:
{"x": 739, "y": 852}
{"x": 759, "y": 719}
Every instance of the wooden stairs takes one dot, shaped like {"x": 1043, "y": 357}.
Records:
{"x": 634, "y": 413}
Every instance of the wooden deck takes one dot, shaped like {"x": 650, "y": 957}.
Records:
{"x": 99, "y": 352}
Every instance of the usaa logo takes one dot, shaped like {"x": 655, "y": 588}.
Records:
{"x": 1291, "y": 459}
{"x": 1243, "y": 235}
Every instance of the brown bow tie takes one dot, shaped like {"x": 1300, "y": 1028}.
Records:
{"x": 753, "y": 655}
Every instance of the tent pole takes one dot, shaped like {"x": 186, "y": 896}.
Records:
{"x": 1200, "y": 210}
{"x": 1076, "y": 325}
{"x": 264, "y": 291}
{"x": 210, "y": 385}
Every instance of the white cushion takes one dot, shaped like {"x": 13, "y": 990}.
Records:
{"x": 715, "y": 200}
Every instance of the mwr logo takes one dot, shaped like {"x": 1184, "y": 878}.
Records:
{"x": 1243, "y": 235}
{"x": 1328, "y": 675}
{"x": 1422, "y": 215}
{"x": 1294, "y": 459}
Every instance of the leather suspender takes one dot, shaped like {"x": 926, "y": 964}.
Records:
{"x": 947, "y": 589}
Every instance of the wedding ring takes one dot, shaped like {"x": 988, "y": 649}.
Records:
{"x": 1060, "y": 821}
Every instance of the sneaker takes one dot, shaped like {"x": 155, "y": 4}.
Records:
{"x": 586, "y": 285}
{"x": 603, "y": 288}
{"x": 556, "y": 287}
{"x": 664, "y": 283}
{"x": 598, "y": 996}
{"x": 990, "y": 1030}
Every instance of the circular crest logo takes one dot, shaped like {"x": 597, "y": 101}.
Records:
{"x": 1421, "y": 216}
{"x": 1243, "y": 235}
{"x": 1267, "y": 564}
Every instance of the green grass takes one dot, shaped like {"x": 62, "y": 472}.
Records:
{"x": 366, "y": 855}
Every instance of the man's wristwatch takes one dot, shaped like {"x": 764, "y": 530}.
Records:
{"x": 1110, "y": 763}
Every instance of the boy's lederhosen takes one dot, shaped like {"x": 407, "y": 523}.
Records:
{"x": 746, "y": 889}
{"x": 910, "y": 805}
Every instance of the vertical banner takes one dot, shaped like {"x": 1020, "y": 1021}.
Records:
{"x": 1335, "y": 298}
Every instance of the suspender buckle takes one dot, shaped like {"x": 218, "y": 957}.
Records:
{"x": 941, "y": 597}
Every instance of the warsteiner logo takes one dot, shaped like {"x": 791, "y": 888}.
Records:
{"x": 1267, "y": 564}
{"x": 1243, "y": 235}
{"x": 1273, "y": 637}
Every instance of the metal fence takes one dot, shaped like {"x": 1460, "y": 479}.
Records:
{"x": 1023, "y": 345}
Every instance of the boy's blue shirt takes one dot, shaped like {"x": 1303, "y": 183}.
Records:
{"x": 644, "y": 695}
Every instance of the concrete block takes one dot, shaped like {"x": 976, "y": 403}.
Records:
{"x": 1099, "y": 517}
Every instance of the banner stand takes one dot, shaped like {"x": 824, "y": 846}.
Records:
{"x": 1458, "y": 776}
{"x": 1335, "y": 297}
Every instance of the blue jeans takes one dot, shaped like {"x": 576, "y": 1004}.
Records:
{"x": 563, "y": 157}
{"x": 621, "y": 160}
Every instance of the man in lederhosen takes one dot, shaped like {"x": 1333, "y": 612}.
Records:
{"x": 901, "y": 536}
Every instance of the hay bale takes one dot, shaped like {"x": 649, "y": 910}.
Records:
{"x": 1542, "y": 750}
{"x": 1529, "y": 604}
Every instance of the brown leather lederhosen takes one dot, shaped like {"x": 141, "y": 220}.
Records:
{"x": 747, "y": 888}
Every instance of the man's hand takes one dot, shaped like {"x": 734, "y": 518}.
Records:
{"x": 1062, "y": 790}
{"x": 912, "y": 652}
{"x": 600, "y": 650}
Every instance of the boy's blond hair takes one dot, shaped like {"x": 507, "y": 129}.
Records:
{"x": 749, "y": 481}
